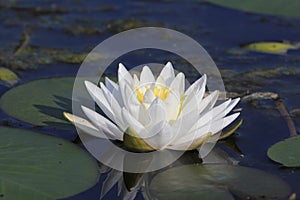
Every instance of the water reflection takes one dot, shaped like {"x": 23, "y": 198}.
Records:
{"x": 129, "y": 184}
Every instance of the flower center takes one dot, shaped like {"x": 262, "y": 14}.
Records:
{"x": 158, "y": 91}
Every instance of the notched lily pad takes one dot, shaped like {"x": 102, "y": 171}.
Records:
{"x": 286, "y": 152}
{"x": 217, "y": 181}
{"x": 36, "y": 166}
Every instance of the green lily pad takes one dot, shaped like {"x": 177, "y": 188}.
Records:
{"x": 286, "y": 152}
{"x": 276, "y": 7}
{"x": 42, "y": 167}
{"x": 217, "y": 181}
{"x": 40, "y": 102}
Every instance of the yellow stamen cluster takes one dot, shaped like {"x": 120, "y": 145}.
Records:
{"x": 158, "y": 91}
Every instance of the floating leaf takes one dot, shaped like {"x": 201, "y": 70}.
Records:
{"x": 36, "y": 166}
{"x": 41, "y": 102}
{"x": 271, "y": 47}
{"x": 286, "y": 152}
{"x": 8, "y": 76}
{"x": 276, "y": 7}
{"x": 217, "y": 181}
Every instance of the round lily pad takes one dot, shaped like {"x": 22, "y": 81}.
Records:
{"x": 41, "y": 167}
{"x": 40, "y": 102}
{"x": 217, "y": 181}
{"x": 274, "y": 7}
{"x": 286, "y": 152}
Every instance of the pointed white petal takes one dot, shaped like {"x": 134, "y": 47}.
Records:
{"x": 124, "y": 78}
{"x": 111, "y": 85}
{"x": 173, "y": 105}
{"x": 114, "y": 106}
{"x": 197, "y": 85}
{"x": 85, "y": 125}
{"x": 104, "y": 124}
{"x": 213, "y": 127}
{"x": 148, "y": 97}
{"x": 160, "y": 81}
{"x": 146, "y": 77}
{"x": 211, "y": 115}
{"x": 99, "y": 97}
{"x": 231, "y": 105}
{"x": 132, "y": 104}
{"x": 167, "y": 73}
{"x": 178, "y": 84}
{"x": 136, "y": 81}
{"x": 115, "y": 90}
{"x": 124, "y": 75}
{"x": 208, "y": 102}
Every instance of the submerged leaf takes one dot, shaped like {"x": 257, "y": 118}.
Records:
{"x": 36, "y": 166}
{"x": 217, "y": 181}
{"x": 286, "y": 152}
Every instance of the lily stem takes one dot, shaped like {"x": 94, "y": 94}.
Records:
{"x": 283, "y": 111}
{"x": 23, "y": 44}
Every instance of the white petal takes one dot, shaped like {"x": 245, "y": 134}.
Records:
{"x": 222, "y": 123}
{"x": 160, "y": 81}
{"x": 148, "y": 98}
{"x": 182, "y": 126}
{"x": 124, "y": 78}
{"x": 194, "y": 88}
{"x": 231, "y": 105}
{"x": 167, "y": 73}
{"x": 208, "y": 102}
{"x": 173, "y": 105}
{"x": 156, "y": 113}
{"x": 134, "y": 124}
{"x": 162, "y": 137}
{"x": 129, "y": 96}
{"x": 85, "y": 125}
{"x": 99, "y": 97}
{"x": 124, "y": 75}
{"x": 211, "y": 115}
{"x": 114, "y": 106}
{"x": 111, "y": 86}
{"x": 212, "y": 127}
{"x": 146, "y": 77}
{"x": 136, "y": 81}
{"x": 133, "y": 105}
{"x": 178, "y": 84}
{"x": 115, "y": 90}
{"x": 103, "y": 124}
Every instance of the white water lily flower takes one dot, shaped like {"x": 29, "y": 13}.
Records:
{"x": 149, "y": 113}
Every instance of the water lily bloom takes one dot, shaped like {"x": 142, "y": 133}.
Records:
{"x": 149, "y": 113}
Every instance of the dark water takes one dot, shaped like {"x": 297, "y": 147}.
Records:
{"x": 78, "y": 26}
